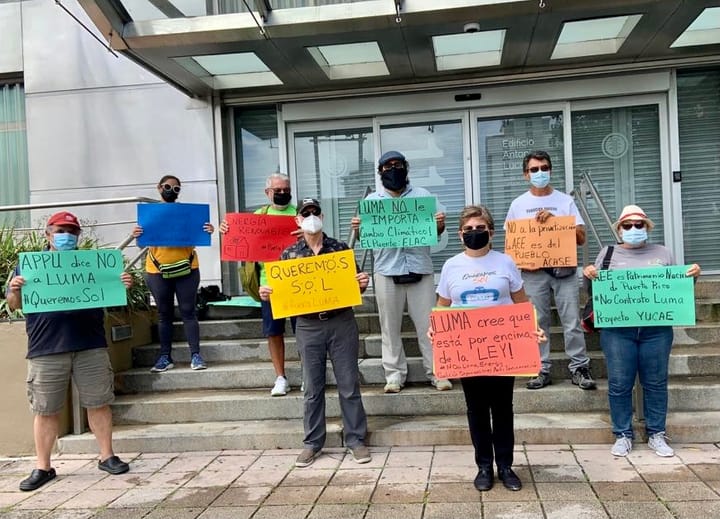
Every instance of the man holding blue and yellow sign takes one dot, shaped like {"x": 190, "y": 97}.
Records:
{"x": 317, "y": 280}
{"x": 66, "y": 337}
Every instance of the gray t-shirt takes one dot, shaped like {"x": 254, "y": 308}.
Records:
{"x": 651, "y": 255}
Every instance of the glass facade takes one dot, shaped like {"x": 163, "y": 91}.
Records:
{"x": 14, "y": 174}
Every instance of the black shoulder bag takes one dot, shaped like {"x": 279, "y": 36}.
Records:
{"x": 587, "y": 319}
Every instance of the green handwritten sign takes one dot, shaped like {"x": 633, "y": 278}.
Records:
{"x": 398, "y": 222}
{"x": 71, "y": 280}
{"x": 657, "y": 296}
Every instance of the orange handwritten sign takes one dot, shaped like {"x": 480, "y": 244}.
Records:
{"x": 533, "y": 245}
{"x": 257, "y": 237}
{"x": 498, "y": 340}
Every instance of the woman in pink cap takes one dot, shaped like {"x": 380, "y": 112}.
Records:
{"x": 637, "y": 351}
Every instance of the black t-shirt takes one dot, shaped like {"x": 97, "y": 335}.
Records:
{"x": 61, "y": 332}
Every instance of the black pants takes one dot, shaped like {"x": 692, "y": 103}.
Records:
{"x": 490, "y": 418}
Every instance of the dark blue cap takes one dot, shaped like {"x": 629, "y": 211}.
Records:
{"x": 390, "y": 155}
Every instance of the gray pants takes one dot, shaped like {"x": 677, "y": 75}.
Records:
{"x": 336, "y": 338}
{"x": 540, "y": 286}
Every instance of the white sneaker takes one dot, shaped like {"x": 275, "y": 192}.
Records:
{"x": 657, "y": 443}
{"x": 622, "y": 447}
{"x": 281, "y": 387}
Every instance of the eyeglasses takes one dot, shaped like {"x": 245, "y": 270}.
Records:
{"x": 470, "y": 228}
{"x": 535, "y": 169}
{"x": 307, "y": 212}
{"x": 629, "y": 225}
{"x": 392, "y": 165}
{"x": 169, "y": 187}
{"x": 278, "y": 190}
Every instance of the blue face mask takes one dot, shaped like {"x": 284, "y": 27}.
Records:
{"x": 540, "y": 179}
{"x": 634, "y": 236}
{"x": 65, "y": 241}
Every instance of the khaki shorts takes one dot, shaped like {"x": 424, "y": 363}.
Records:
{"x": 49, "y": 376}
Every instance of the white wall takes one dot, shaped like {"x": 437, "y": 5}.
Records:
{"x": 100, "y": 126}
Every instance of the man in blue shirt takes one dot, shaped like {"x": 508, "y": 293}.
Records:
{"x": 60, "y": 345}
{"x": 403, "y": 275}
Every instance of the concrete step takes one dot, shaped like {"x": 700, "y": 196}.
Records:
{"x": 545, "y": 428}
{"x": 253, "y": 373}
{"x": 215, "y": 405}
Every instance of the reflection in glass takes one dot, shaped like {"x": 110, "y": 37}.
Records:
{"x": 434, "y": 150}
{"x": 502, "y": 145}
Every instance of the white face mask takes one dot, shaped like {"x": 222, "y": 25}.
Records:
{"x": 312, "y": 224}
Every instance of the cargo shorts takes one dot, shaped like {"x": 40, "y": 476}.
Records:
{"x": 49, "y": 376}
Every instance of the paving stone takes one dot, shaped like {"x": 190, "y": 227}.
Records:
{"x": 346, "y": 477}
{"x": 24, "y": 514}
{"x": 610, "y": 470}
{"x": 452, "y": 493}
{"x": 228, "y": 512}
{"x": 93, "y": 499}
{"x": 281, "y": 461}
{"x": 238, "y": 496}
{"x": 347, "y": 494}
{"x": 294, "y": 495}
{"x": 565, "y": 492}
{"x": 641, "y": 455}
{"x": 688, "y": 491}
{"x": 349, "y": 511}
{"x": 12, "y": 498}
{"x": 141, "y": 498}
{"x": 403, "y": 458}
{"x": 122, "y": 513}
{"x": 187, "y": 463}
{"x": 213, "y": 478}
{"x": 9, "y": 483}
{"x": 281, "y": 512}
{"x": 449, "y": 473}
{"x": 698, "y": 453}
{"x": 166, "y": 479}
{"x": 627, "y": 491}
{"x": 500, "y": 493}
{"x": 404, "y": 475}
{"x": 174, "y": 513}
{"x": 74, "y": 483}
{"x": 261, "y": 477}
{"x": 379, "y": 457}
{"x": 694, "y": 509}
{"x": 574, "y": 510}
{"x": 44, "y": 500}
{"x": 551, "y": 457}
{"x": 232, "y": 462}
{"x": 192, "y": 497}
{"x": 653, "y": 473}
{"x": 625, "y": 510}
{"x": 524, "y": 510}
{"x": 462, "y": 457}
{"x": 706, "y": 471}
{"x": 557, "y": 473}
{"x": 70, "y": 514}
{"x": 150, "y": 463}
{"x": 394, "y": 511}
{"x": 445, "y": 510}
{"x": 399, "y": 493}
{"x": 308, "y": 476}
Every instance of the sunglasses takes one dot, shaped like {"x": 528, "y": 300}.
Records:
{"x": 393, "y": 165}
{"x": 470, "y": 228}
{"x": 535, "y": 169}
{"x": 308, "y": 212}
{"x": 629, "y": 225}
{"x": 168, "y": 187}
{"x": 278, "y": 190}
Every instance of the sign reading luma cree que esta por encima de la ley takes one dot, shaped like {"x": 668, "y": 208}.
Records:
{"x": 397, "y": 222}
{"x": 71, "y": 280}
{"x": 655, "y": 296}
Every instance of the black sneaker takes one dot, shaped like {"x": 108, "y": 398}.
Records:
{"x": 582, "y": 377}
{"x": 539, "y": 382}
{"x": 484, "y": 479}
{"x": 510, "y": 480}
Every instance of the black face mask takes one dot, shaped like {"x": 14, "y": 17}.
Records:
{"x": 476, "y": 240}
{"x": 169, "y": 196}
{"x": 394, "y": 179}
{"x": 281, "y": 199}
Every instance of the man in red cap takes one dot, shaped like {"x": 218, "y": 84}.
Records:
{"x": 60, "y": 345}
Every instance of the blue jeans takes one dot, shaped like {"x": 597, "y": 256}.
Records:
{"x": 629, "y": 352}
{"x": 164, "y": 291}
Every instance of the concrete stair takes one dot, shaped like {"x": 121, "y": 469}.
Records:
{"x": 228, "y": 406}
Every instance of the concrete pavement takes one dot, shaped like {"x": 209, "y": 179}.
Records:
{"x": 560, "y": 482}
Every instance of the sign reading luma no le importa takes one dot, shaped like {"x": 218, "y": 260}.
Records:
{"x": 71, "y": 280}
{"x": 398, "y": 222}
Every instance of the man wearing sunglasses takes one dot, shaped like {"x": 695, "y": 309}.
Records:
{"x": 542, "y": 202}
{"x": 403, "y": 275}
{"x": 279, "y": 194}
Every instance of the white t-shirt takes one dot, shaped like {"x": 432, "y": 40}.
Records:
{"x": 479, "y": 281}
{"x": 558, "y": 203}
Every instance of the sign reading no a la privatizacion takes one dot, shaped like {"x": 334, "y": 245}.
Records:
{"x": 398, "y": 222}
{"x": 656, "y": 296}
{"x": 71, "y": 280}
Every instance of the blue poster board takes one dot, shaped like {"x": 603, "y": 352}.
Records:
{"x": 173, "y": 225}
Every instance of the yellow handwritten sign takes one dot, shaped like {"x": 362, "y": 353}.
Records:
{"x": 314, "y": 284}
{"x": 534, "y": 245}
{"x": 497, "y": 340}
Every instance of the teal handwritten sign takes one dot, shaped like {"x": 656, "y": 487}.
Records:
{"x": 398, "y": 222}
{"x": 71, "y": 280}
{"x": 657, "y": 296}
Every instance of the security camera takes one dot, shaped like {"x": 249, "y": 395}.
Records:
{"x": 471, "y": 27}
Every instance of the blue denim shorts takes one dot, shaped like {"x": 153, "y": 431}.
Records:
{"x": 273, "y": 327}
